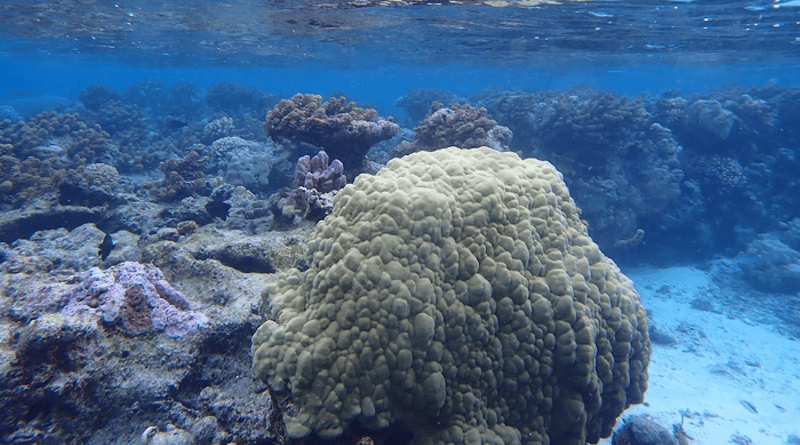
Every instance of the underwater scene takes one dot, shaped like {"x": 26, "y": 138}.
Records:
{"x": 400, "y": 222}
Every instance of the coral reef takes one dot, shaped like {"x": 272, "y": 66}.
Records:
{"x": 72, "y": 372}
{"x": 242, "y": 162}
{"x": 720, "y": 176}
{"x": 316, "y": 173}
{"x": 694, "y": 168}
{"x": 641, "y": 430}
{"x": 594, "y": 121}
{"x": 94, "y": 97}
{"x": 66, "y": 138}
{"x": 456, "y": 125}
{"x": 56, "y": 252}
{"x": 417, "y": 102}
{"x": 217, "y": 129}
{"x": 122, "y": 120}
{"x": 171, "y": 436}
{"x": 341, "y": 128}
{"x": 770, "y": 265}
{"x": 9, "y": 113}
{"x": 177, "y": 101}
{"x": 709, "y": 118}
{"x": 89, "y": 186}
{"x": 458, "y": 294}
{"x": 240, "y": 209}
{"x": 180, "y": 100}
{"x": 658, "y": 179}
{"x": 135, "y": 298}
{"x": 25, "y": 180}
{"x": 623, "y": 168}
{"x": 182, "y": 178}
{"x": 38, "y": 186}
{"x": 462, "y": 126}
{"x": 315, "y": 184}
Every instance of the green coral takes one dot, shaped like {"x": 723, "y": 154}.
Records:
{"x": 458, "y": 295}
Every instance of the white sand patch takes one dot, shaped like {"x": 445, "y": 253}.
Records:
{"x": 718, "y": 368}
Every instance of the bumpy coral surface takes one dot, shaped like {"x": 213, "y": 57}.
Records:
{"x": 464, "y": 126}
{"x": 456, "y": 294}
{"x": 243, "y": 162}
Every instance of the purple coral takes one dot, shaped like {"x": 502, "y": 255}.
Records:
{"x": 315, "y": 173}
{"x": 135, "y": 297}
{"x": 315, "y": 184}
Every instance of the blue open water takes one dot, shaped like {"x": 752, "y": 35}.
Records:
{"x": 376, "y": 53}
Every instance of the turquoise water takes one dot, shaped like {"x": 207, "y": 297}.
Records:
{"x": 382, "y": 85}
{"x": 375, "y": 54}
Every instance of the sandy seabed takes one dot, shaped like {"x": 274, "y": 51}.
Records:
{"x": 726, "y": 380}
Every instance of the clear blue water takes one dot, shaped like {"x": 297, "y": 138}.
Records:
{"x": 375, "y": 54}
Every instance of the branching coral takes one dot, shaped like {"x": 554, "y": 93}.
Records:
{"x": 315, "y": 185}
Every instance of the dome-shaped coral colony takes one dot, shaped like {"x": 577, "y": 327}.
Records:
{"x": 458, "y": 294}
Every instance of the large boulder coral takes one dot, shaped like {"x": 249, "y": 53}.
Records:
{"x": 455, "y": 294}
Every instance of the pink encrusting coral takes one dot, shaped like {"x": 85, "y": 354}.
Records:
{"x": 134, "y": 297}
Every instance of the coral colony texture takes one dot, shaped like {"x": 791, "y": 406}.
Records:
{"x": 462, "y": 126}
{"x": 458, "y": 295}
{"x": 344, "y": 130}
{"x": 315, "y": 184}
